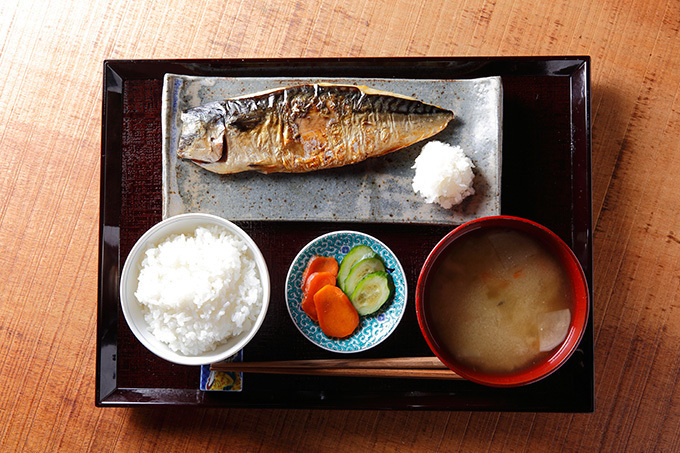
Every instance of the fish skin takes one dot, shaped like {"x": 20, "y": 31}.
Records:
{"x": 203, "y": 132}
{"x": 304, "y": 128}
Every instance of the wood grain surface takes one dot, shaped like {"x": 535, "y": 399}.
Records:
{"x": 51, "y": 55}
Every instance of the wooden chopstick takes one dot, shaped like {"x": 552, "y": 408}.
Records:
{"x": 401, "y": 367}
{"x": 396, "y": 362}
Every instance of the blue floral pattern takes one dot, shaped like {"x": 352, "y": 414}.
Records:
{"x": 373, "y": 329}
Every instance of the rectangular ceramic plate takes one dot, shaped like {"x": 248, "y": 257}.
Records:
{"x": 376, "y": 190}
{"x": 546, "y": 178}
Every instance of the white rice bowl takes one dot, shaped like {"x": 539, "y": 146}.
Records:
{"x": 198, "y": 290}
{"x": 443, "y": 174}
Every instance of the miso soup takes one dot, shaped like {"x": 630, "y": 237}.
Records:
{"x": 498, "y": 301}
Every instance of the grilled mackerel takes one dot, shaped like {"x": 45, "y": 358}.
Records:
{"x": 304, "y": 128}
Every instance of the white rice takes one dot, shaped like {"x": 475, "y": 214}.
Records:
{"x": 443, "y": 174}
{"x": 199, "y": 290}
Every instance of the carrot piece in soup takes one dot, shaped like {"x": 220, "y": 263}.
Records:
{"x": 337, "y": 316}
{"x": 315, "y": 282}
{"x": 320, "y": 264}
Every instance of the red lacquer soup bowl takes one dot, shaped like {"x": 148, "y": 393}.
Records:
{"x": 503, "y": 311}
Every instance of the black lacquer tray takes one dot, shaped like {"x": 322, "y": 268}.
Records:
{"x": 546, "y": 177}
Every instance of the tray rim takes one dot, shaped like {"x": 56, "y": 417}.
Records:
{"x": 107, "y": 393}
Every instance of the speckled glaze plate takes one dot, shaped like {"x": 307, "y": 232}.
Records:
{"x": 376, "y": 190}
{"x": 373, "y": 329}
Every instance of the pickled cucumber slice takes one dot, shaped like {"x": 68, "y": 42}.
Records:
{"x": 356, "y": 254}
{"x": 360, "y": 270}
{"x": 372, "y": 292}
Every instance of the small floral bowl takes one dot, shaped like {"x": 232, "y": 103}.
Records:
{"x": 373, "y": 329}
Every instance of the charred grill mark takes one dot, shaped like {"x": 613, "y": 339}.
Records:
{"x": 250, "y": 121}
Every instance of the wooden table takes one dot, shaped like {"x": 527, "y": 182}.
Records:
{"x": 51, "y": 65}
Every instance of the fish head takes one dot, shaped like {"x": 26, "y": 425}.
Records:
{"x": 202, "y": 133}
